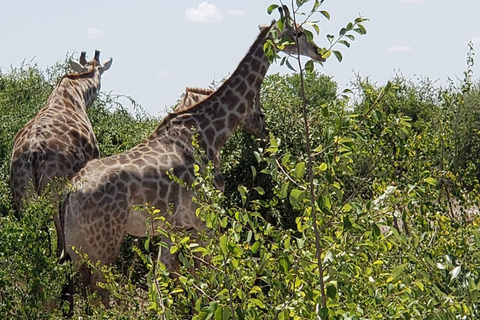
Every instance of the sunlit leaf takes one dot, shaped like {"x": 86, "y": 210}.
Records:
{"x": 256, "y": 246}
{"x": 455, "y": 272}
{"x": 223, "y": 244}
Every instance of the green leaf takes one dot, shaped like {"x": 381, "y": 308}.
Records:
{"x": 284, "y": 191}
{"x": 257, "y": 302}
{"x": 256, "y": 246}
{"x": 284, "y": 264}
{"x": 271, "y": 8}
{"x": 378, "y": 297}
{"x": 224, "y": 244}
{"x": 289, "y": 65}
{"x": 331, "y": 291}
{"x": 325, "y": 14}
{"x": 350, "y": 36}
{"x": 309, "y": 66}
{"x": 346, "y": 222}
{"x": 280, "y": 23}
{"x": 147, "y": 244}
{"x": 173, "y": 249}
{"x": 259, "y": 190}
{"x": 273, "y": 146}
{"x": 300, "y": 170}
{"x": 287, "y": 242}
{"x": 254, "y": 171}
{"x": 323, "y": 167}
{"x": 398, "y": 270}
{"x": 257, "y": 155}
{"x": 375, "y": 230}
{"x": 431, "y": 181}
{"x": 296, "y": 196}
{"x": 285, "y": 159}
{"x": 308, "y": 34}
{"x": 338, "y": 55}
{"x": 345, "y": 43}
{"x": 243, "y": 193}
{"x": 360, "y": 29}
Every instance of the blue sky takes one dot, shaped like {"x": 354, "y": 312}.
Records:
{"x": 161, "y": 47}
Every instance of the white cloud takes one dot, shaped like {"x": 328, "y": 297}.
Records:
{"x": 205, "y": 12}
{"x": 163, "y": 74}
{"x": 400, "y": 49}
{"x": 475, "y": 40}
{"x": 237, "y": 13}
{"x": 94, "y": 33}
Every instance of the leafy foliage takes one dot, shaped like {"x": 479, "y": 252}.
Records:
{"x": 360, "y": 205}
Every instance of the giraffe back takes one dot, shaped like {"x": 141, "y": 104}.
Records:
{"x": 59, "y": 140}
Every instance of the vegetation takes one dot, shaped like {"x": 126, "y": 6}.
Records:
{"x": 361, "y": 205}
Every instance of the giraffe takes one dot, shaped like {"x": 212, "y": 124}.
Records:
{"x": 99, "y": 211}
{"x": 193, "y": 96}
{"x": 59, "y": 140}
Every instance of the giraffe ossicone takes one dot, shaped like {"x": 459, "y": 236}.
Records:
{"x": 100, "y": 211}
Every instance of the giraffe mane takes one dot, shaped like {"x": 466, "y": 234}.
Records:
{"x": 199, "y": 90}
{"x": 165, "y": 123}
{"x": 92, "y": 63}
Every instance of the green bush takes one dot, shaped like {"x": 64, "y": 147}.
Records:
{"x": 371, "y": 215}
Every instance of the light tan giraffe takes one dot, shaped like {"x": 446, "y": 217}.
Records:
{"x": 99, "y": 212}
{"x": 59, "y": 140}
{"x": 192, "y": 96}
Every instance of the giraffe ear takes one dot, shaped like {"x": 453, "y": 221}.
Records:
{"x": 77, "y": 67}
{"x": 285, "y": 13}
{"x": 263, "y": 26}
{"x": 106, "y": 64}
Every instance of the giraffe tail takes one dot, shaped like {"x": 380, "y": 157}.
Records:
{"x": 37, "y": 159}
{"x": 59, "y": 220}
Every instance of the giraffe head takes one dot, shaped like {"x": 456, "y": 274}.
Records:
{"x": 296, "y": 34}
{"x": 83, "y": 65}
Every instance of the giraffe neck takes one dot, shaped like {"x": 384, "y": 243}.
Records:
{"x": 238, "y": 93}
{"x": 79, "y": 90}
{"x": 216, "y": 118}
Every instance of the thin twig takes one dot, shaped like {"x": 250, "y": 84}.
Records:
{"x": 318, "y": 247}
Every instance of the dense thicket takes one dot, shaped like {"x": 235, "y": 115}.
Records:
{"x": 396, "y": 174}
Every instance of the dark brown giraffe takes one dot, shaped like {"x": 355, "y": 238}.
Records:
{"x": 59, "y": 140}
{"x": 101, "y": 209}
